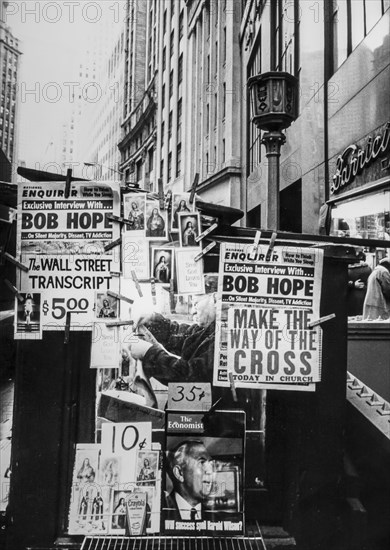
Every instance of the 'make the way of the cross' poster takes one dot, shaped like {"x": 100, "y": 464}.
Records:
{"x": 265, "y": 307}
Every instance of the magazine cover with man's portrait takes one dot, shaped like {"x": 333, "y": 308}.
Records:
{"x": 203, "y": 473}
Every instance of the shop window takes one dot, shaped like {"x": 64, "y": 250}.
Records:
{"x": 365, "y": 216}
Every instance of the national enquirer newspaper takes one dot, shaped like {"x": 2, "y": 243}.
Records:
{"x": 62, "y": 243}
{"x": 264, "y": 308}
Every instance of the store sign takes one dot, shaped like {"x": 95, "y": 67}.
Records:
{"x": 354, "y": 159}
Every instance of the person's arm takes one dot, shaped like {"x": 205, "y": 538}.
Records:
{"x": 168, "y": 333}
{"x": 384, "y": 282}
{"x": 168, "y": 368}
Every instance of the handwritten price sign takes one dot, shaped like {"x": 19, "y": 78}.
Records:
{"x": 189, "y": 396}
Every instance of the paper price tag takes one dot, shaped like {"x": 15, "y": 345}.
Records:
{"x": 194, "y": 396}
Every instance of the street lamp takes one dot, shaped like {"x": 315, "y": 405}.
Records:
{"x": 274, "y": 102}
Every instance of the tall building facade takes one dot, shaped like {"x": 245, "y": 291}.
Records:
{"x": 138, "y": 141}
{"x": 339, "y": 51}
{"x": 181, "y": 113}
{"x": 213, "y": 99}
{"x": 9, "y": 64}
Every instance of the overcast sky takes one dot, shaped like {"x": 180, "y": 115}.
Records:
{"x": 53, "y": 37}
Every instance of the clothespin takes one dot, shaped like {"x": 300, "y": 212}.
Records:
{"x": 233, "y": 387}
{"x": 206, "y": 232}
{"x": 13, "y": 289}
{"x": 271, "y": 246}
{"x": 313, "y": 324}
{"x": 193, "y": 188}
{"x": 119, "y": 323}
{"x": 67, "y": 327}
{"x": 153, "y": 290}
{"x": 204, "y": 251}
{"x": 119, "y": 297}
{"x": 113, "y": 244}
{"x": 68, "y": 182}
{"x": 118, "y": 219}
{"x": 14, "y": 261}
{"x": 256, "y": 242}
{"x": 161, "y": 193}
{"x": 137, "y": 285}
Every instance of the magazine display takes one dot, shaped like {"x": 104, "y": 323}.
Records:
{"x": 117, "y": 493}
{"x": 203, "y": 473}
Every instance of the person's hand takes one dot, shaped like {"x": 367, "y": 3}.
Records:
{"x": 139, "y": 348}
{"x": 141, "y": 316}
{"x": 359, "y": 284}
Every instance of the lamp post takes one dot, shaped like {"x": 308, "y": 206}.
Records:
{"x": 274, "y": 99}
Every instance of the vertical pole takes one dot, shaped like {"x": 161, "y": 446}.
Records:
{"x": 273, "y": 142}
{"x": 68, "y": 182}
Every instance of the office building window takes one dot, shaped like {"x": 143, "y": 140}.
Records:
{"x": 223, "y": 47}
{"x": 340, "y": 34}
{"x": 151, "y": 159}
{"x": 169, "y": 176}
{"x": 253, "y": 134}
{"x": 139, "y": 171}
{"x": 223, "y": 100}
{"x": 164, "y": 58}
{"x": 163, "y": 96}
{"x": 162, "y": 168}
{"x": 178, "y": 160}
{"x": 285, "y": 32}
{"x": 207, "y": 118}
{"x": 352, "y": 20}
{"x": 171, "y": 43}
{"x": 180, "y": 69}
{"x": 215, "y": 109}
{"x": 181, "y": 24}
{"x": 162, "y": 133}
{"x": 179, "y": 119}
{"x": 170, "y": 125}
{"x": 165, "y": 22}
{"x": 171, "y": 83}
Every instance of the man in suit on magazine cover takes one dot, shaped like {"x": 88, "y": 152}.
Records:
{"x": 190, "y": 468}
